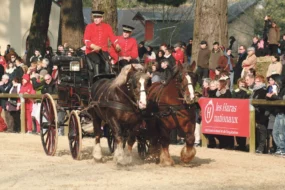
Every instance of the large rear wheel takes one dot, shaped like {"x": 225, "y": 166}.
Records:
{"x": 48, "y": 124}
{"x": 75, "y": 135}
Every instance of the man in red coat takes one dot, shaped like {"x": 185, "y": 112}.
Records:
{"x": 96, "y": 38}
{"x": 129, "y": 48}
{"x": 178, "y": 54}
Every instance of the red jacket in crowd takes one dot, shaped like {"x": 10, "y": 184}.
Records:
{"x": 27, "y": 89}
{"x": 178, "y": 56}
{"x": 98, "y": 34}
{"x": 3, "y": 62}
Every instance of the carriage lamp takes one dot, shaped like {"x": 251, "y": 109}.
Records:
{"x": 74, "y": 66}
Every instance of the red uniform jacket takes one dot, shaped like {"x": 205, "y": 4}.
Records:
{"x": 129, "y": 48}
{"x": 178, "y": 56}
{"x": 98, "y": 35}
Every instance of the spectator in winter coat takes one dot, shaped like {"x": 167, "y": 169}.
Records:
{"x": 227, "y": 64}
{"x": 178, "y": 54}
{"x": 27, "y": 88}
{"x": 49, "y": 86}
{"x": 3, "y": 62}
{"x": 169, "y": 57}
{"x": 279, "y": 124}
{"x": 189, "y": 50}
{"x": 213, "y": 61}
{"x": 142, "y": 50}
{"x": 5, "y": 86}
{"x": 242, "y": 54}
{"x": 13, "y": 105}
{"x": 282, "y": 45}
{"x": 249, "y": 62}
{"x": 18, "y": 72}
{"x": 273, "y": 38}
{"x": 36, "y": 57}
{"x": 223, "y": 92}
{"x": 261, "y": 119}
{"x": 241, "y": 93}
{"x": 203, "y": 62}
{"x": 275, "y": 67}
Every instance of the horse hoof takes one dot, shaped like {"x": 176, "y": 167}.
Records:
{"x": 187, "y": 156}
{"x": 167, "y": 163}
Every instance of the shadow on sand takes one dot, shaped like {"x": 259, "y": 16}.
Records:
{"x": 196, "y": 162}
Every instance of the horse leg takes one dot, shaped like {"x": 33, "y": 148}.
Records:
{"x": 97, "y": 151}
{"x": 154, "y": 136}
{"x": 165, "y": 158}
{"x": 188, "y": 152}
{"x": 131, "y": 140}
{"x": 120, "y": 157}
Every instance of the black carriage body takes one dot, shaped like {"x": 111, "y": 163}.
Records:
{"x": 73, "y": 84}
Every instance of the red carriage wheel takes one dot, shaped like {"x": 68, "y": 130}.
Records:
{"x": 48, "y": 124}
{"x": 75, "y": 135}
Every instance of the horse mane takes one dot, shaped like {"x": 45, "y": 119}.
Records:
{"x": 123, "y": 76}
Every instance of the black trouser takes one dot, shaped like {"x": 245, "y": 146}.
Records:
{"x": 202, "y": 73}
{"x": 261, "y": 135}
{"x": 17, "y": 123}
{"x": 98, "y": 63}
{"x": 273, "y": 49}
{"x": 225, "y": 141}
{"x": 241, "y": 143}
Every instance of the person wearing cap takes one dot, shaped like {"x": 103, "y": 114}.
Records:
{"x": 214, "y": 57}
{"x": 96, "y": 38}
{"x": 249, "y": 62}
{"x": 129, "y": 49}
{"x": 36, "y": 57}
{"x": 178, "y": 54}
{"x": 203, "y": 62}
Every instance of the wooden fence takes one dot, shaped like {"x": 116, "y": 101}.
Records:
{"x": 22, "y": 99}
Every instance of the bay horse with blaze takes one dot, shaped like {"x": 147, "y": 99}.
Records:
{"x": 118, "y": 102}
{"x": 171, "y": 104}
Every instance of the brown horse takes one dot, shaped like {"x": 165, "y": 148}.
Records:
{"x": 172, "y": 105}
{"x": 118, "y": 103}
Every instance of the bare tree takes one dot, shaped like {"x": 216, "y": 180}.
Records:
{"x": 211, "y": 24}
{"x": 72, "y": 23}
{"x": 39, "y": 27}
{"x": 110, "y": 9}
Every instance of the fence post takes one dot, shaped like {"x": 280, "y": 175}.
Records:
{"x": 252, "y": 129}
{"x": 23, "y": 114}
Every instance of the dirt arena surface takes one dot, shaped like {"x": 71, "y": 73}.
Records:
{"x": 24, "y": 165}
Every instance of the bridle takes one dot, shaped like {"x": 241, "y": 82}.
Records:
{"x": 183, "y": 88}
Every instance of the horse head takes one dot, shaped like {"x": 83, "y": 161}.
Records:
{"x": 137, "y": 81}
{"x": 186, "y": 80}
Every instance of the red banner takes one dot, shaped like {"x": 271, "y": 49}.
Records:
{"x": 225, "y": 116}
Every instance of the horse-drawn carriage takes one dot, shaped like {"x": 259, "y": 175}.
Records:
{"x": 75, "y": 101}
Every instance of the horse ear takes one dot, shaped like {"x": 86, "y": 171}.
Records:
{"x": 179, "y": 67}
{"x": 133, "y": 68}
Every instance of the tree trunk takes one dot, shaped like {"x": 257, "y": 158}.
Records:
{"x": 211, "y": 24}
{"x": 110, "y": 9}
{"x": 39, "y": 27}
{"x": 72, "y": 23}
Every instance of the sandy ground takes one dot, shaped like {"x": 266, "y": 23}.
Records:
{"x": 24, "y": 165}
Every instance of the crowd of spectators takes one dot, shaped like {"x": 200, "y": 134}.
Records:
{"x": 18, "y": 78}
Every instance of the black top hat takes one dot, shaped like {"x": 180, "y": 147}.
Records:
{"x": 127, "y": 28}
{"x": 98, "y": 13}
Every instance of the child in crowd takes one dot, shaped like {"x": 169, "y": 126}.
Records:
{"x": 273, "y": 87}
